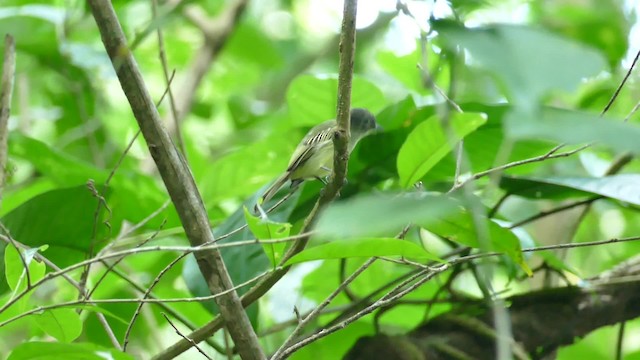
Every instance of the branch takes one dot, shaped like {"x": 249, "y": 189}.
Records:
{"x": 177, "y": 179}
{"x": 542, "y": 321}
{"x": 186, "y": 338}
{"x": 340, "y": 158}
{"x": 6, "y": 90}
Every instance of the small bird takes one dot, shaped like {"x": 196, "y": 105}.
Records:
{"x": 313, "y": 157}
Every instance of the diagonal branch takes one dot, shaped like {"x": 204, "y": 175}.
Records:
{"x": 177, "y": 178}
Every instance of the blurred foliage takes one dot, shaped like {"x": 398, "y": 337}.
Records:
{"x": 528, "y": 75}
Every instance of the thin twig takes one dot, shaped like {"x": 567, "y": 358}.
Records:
{"x": 66, "y": 277}
{"x": 556, "y": 210}
{"x": 551, "y": 154}
{"x": 75, "y": 303}
{"x": 165, "y": 70}
{"x": 186, "y": 338}
{"x": 145, "y": 295}
{"x": 307, "y": 319}
{"x": 619, "y": 88}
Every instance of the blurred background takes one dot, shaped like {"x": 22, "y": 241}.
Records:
{"x": 245, "y": 91}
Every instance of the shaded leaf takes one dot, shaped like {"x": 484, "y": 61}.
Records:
{"x": 63, "y": 219}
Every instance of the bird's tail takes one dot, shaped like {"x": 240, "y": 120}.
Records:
{"x": 273, "y": 189}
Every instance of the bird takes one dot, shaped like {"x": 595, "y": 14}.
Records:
{"x": 313, "y": 157}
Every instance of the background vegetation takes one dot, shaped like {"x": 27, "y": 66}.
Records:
{"x": 508, "y": 125}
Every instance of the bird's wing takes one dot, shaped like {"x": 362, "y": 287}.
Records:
{"x": 318, "y": 137}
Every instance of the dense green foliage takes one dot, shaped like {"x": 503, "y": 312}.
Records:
{"x": 513, "y": 92}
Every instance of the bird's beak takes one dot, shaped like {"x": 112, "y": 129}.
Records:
{"x": 379, "y": 128}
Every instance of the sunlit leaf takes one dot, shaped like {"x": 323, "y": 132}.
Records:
{"x": 15, "y": 271}
{"x": 55, "y": 350}
{"x": 312, "y": 99}
{"x": 63, "y": 324}
{"x": 428, "y": 143}
{"x": 269, "y": 230}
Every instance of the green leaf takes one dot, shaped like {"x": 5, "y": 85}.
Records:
{"x": 269, "y": 230}
{"x": 506, "y": 51}
{"x": 63, "y": 168}
{"x": 368, "y": 247}
{"x": 15, "y": 271}
{"x": 62, "y": 218}
{"x": 623, "y": 187}
{"x": 383, "y": 214}
{"x": 574, "y": 127}
{"x": 460, "y": 227}
{"x": 429, "y": 143}
{"x": 312, "y": 99}
{"x": 54, "y": 351}
{"x": 244, "y": 171}
{"x": 63, "y": 324}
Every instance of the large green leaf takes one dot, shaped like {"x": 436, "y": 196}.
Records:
{"x": 54, "y": 351}
{"x": 530, "y": 62}
{"x": 623, "y": 187}
{"x": 62, "y": 168}
{"x": 574, "y": 127}
{"x": 429, "y": 142}
{"x": 63, "y": 324}
{"x": 367, "y": 247}
{"x": 312, "y": 99}
{"x": 63, "y": 219}
{"x": 376, "y": 215}
{"x": 244, "y": 171}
